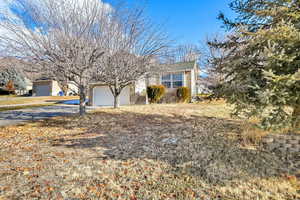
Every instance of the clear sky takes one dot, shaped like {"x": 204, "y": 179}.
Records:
{"x": 189, "y": 21}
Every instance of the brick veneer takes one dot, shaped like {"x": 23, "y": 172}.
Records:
{"x": 283, "y": 143}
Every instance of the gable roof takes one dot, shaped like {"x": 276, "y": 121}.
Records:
{"x": 181, "y": 66}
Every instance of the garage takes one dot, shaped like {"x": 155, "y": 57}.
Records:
{"x": 102, "y": 96}
{"x": 43, "y": 90}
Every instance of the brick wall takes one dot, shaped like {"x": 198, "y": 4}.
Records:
{"x": 283, "y": 143}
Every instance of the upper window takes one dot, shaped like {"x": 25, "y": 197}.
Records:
{"x": 173, "y": 80}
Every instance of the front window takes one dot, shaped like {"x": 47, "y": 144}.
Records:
{"x": 177, "y": 80}
{"x": 167, "y": 80}
{"x": 172, "y": 80}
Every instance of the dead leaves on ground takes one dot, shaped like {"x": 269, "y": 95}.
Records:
{"x": 139, "y": 152}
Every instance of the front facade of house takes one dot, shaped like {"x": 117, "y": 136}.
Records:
{"x": 177, "y": 75}
{"x": 171, "y": 76}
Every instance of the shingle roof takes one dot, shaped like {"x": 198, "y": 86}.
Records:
{"x": 182, "y": 66}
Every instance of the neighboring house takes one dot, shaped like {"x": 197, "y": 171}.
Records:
{"x": 26, "y": 90}
{"x": 72, "y": 89}
{"x": 203, "y": 89}
{"x": 172, "y": 76}
{"x": 204, "y": 86}
{"x": 29, "y": 84}
{"x": 45, "y": 88}
{"x": 48, "y": 87}
{"x": 207, "y": 84}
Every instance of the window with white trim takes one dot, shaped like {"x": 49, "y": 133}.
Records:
{"x": 172, "y": 80}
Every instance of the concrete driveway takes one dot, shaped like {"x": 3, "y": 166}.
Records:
{"x": 21, "y": 116}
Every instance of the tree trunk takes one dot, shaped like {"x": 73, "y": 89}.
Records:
{"x": 147, "y": 99}
{"x": 82, "y": 101}
{"x": 147, "y": 84}
{"x": 117, "y": 101}
{"x": 116, "y": 93}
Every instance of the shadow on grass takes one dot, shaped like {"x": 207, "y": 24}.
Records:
{"x": 205, "y": 147}
{"x": 37, "y": 113}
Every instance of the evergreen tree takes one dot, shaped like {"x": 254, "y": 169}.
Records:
{"x": 8, "y": 74}
{"x": 262, "y": 62}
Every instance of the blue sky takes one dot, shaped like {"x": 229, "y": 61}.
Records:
{"x": 189, "y": 21}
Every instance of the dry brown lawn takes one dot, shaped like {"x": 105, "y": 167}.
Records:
{"x": 143, "y": 152}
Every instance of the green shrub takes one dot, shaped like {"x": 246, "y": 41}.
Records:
{"x": 155, "y": 93}
{"x": 183, "y": 94}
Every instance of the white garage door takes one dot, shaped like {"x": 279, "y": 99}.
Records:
{"x": 103, "y": 96}
{"x": 43, "y": 90}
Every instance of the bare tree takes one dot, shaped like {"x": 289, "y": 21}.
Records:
{"x": 211, "y": 60}
{"x": 64, "y": 38}
{"x": 132, "y": 43}
{"x": 184, "y": 53}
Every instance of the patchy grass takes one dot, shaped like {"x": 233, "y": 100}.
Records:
{"x": 38, "y": 100}
{"x": 142, "y": 152}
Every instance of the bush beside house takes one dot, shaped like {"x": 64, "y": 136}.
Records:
{"x": 158, "y": 94}
{"x": 183, "y": 94}
{"x": 155, "y": 93}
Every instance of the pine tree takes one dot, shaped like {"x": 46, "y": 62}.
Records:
{"x": 262, "y": 64}
{"x": 10, "y": 74}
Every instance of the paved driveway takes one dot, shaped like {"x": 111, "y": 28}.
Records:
{"x": 20, "y": 116}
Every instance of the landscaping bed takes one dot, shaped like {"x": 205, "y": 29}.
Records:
{"x": 143, "y": 152}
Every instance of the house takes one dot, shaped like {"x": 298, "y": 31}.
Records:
{"x": 171, "y": 76}
{"x": 45, "y": 88}
{"x": 27, "y": 89}
{"x": 49, "y": 87}
{"x": 184, "y": 74}
{"x": 204, "y": 86}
